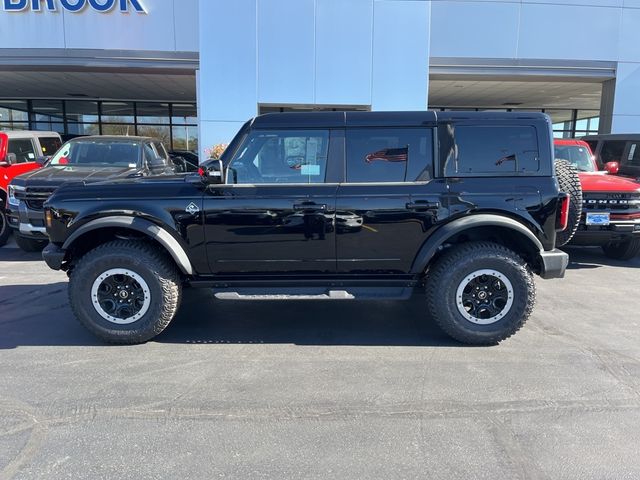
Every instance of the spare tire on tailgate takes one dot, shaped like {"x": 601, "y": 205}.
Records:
{"x": 569, "y": 182}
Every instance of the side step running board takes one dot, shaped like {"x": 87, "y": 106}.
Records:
{"x": 313, "y": 293}
{"x": 331, "y": 295}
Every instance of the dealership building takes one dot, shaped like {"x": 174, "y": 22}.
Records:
{"x": 192, "y": 71}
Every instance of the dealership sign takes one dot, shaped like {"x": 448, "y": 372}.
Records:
{"x": 75, "y": 6}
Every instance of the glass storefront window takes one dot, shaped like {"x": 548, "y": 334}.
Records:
{"x": 48, "y": 126}
{"x": 185, "y": 137}
{"x": 14, "y": 126}
{"x": 13, "y": 114}
{"x": 83, "y": 129}
{"x": 117, "y": 112}
{"x": 81, "y": 111}
{"x": 118, "y": 129}
{"x": 184, "y": 114}
{"x": 153, "y": 113}
{"x": 161, "y": 132}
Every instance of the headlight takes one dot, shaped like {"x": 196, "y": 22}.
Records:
{"x": 12, "y": 194}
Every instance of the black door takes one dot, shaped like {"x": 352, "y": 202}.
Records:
{"x": 389, "y": 202}
{"x": 276, "y": 213}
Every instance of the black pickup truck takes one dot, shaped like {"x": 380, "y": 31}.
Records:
{"x": 82, "y": 159}
{"x": 461, "y": 208}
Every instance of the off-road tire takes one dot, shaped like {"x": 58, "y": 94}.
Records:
{"x": 569, "y": 182}
{"x": 146, "y": 260}
{"x": 449, "y": 271}
{"x": 5, "y": 229}
{"x": 624, "y": 250}
{"x": 30, "y": 245}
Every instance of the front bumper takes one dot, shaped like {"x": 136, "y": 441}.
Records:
{"x": 553, "y": 263}
{"x": 30, "y": 223}
{"x": 53, "y": 256}
{"x": 595, "y": 235}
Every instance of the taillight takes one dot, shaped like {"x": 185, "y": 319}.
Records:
{"x": 562, "y": 216}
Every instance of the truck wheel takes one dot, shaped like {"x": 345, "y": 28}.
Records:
{"x": 27, "y": 244}
{"x": 125, "y": 291}
{"x": 624, "y": 250}
{"x": 480, "y": 293}
{"x": 5, "y": 230}
{"x": 569, "y": 182}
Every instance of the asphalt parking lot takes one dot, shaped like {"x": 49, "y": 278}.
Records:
{"x": 322, "y": 390}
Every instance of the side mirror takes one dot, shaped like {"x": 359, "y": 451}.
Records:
{"x": 42, "y": 160}
{"x": 4, "y": 146}
{"x": 212, "y": 172}
{"x": 612, "y": 168}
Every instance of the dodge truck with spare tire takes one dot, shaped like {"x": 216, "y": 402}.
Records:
{"x": 459, "y": 208}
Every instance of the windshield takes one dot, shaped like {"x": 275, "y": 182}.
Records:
{"x": 578, "y": 155}
{"x": 92, "y": 153}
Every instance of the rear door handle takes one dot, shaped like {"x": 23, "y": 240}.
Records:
{"x": 309, "y": 207}
{"x": 423, "y": 205}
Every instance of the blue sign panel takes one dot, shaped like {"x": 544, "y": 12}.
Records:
{"x": 73, "y": 5}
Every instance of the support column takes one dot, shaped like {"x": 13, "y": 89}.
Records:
{"x": 227, "y": 83}
{"x": 626, "y": 103}
{"x": 400, "y": 70}
{"x": 606, "y": 106}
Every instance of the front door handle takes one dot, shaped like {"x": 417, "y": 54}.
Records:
{"x": 310, "y": 207}
{"x": 423, "y": 205}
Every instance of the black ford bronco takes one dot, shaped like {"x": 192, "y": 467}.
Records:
{"x": 459, "y": 208}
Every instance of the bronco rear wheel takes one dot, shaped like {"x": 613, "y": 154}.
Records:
{"x": 125, "y": 292}
{"x": 624, "y": 250}
{"x": 480, "y": 293}
{"x": 569, "y": 182}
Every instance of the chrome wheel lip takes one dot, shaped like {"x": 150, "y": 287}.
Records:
{"x": 470, "y": 277}
{"x": 110, "y": 318}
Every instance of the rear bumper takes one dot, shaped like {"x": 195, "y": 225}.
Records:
{"x": 554, "y": 263}
{"x": 53, "y": 256}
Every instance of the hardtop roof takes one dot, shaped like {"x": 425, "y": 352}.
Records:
{"x": 380, "y": 119}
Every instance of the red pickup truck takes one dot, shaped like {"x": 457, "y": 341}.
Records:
{"x": 611, "y": 204}
{"x": 21, "y": 152}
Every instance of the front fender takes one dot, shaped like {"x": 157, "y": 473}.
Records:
{"x": 141, "y": 225}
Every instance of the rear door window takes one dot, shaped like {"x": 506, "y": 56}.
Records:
{"x": 23, "y": 149}
{"x": 49, "y": 145}
{"x": 383, "y": 155}
{"x": 470, "y": 150}
{"x": 612, "y": 151}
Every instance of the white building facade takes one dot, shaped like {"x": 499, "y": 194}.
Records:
{"x": 192, "y": 71}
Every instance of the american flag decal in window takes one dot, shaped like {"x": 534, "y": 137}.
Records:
{"x": 389, "y": 155}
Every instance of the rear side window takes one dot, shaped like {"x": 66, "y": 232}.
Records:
{"x": 389, "y": 155}
{"x": 489, "y": 150}
{"x": 49, "y": 145}
{"x": 612, "y": 151}
{"x": 23, "y": 149}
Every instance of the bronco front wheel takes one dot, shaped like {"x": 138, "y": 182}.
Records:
{"x": 125, "y": 292}
{"x": 480, "y": 292}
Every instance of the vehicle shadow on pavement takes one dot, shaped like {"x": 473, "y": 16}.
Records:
{"x": 592, "y": 258}
{"x": 8, "y": 254}
{"x": 39, "y": 315}
{"x": 203, "y": 319}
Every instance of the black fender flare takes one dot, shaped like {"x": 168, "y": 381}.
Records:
{"x": 440, "y": 236}
{"x": 141, "y": 225}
